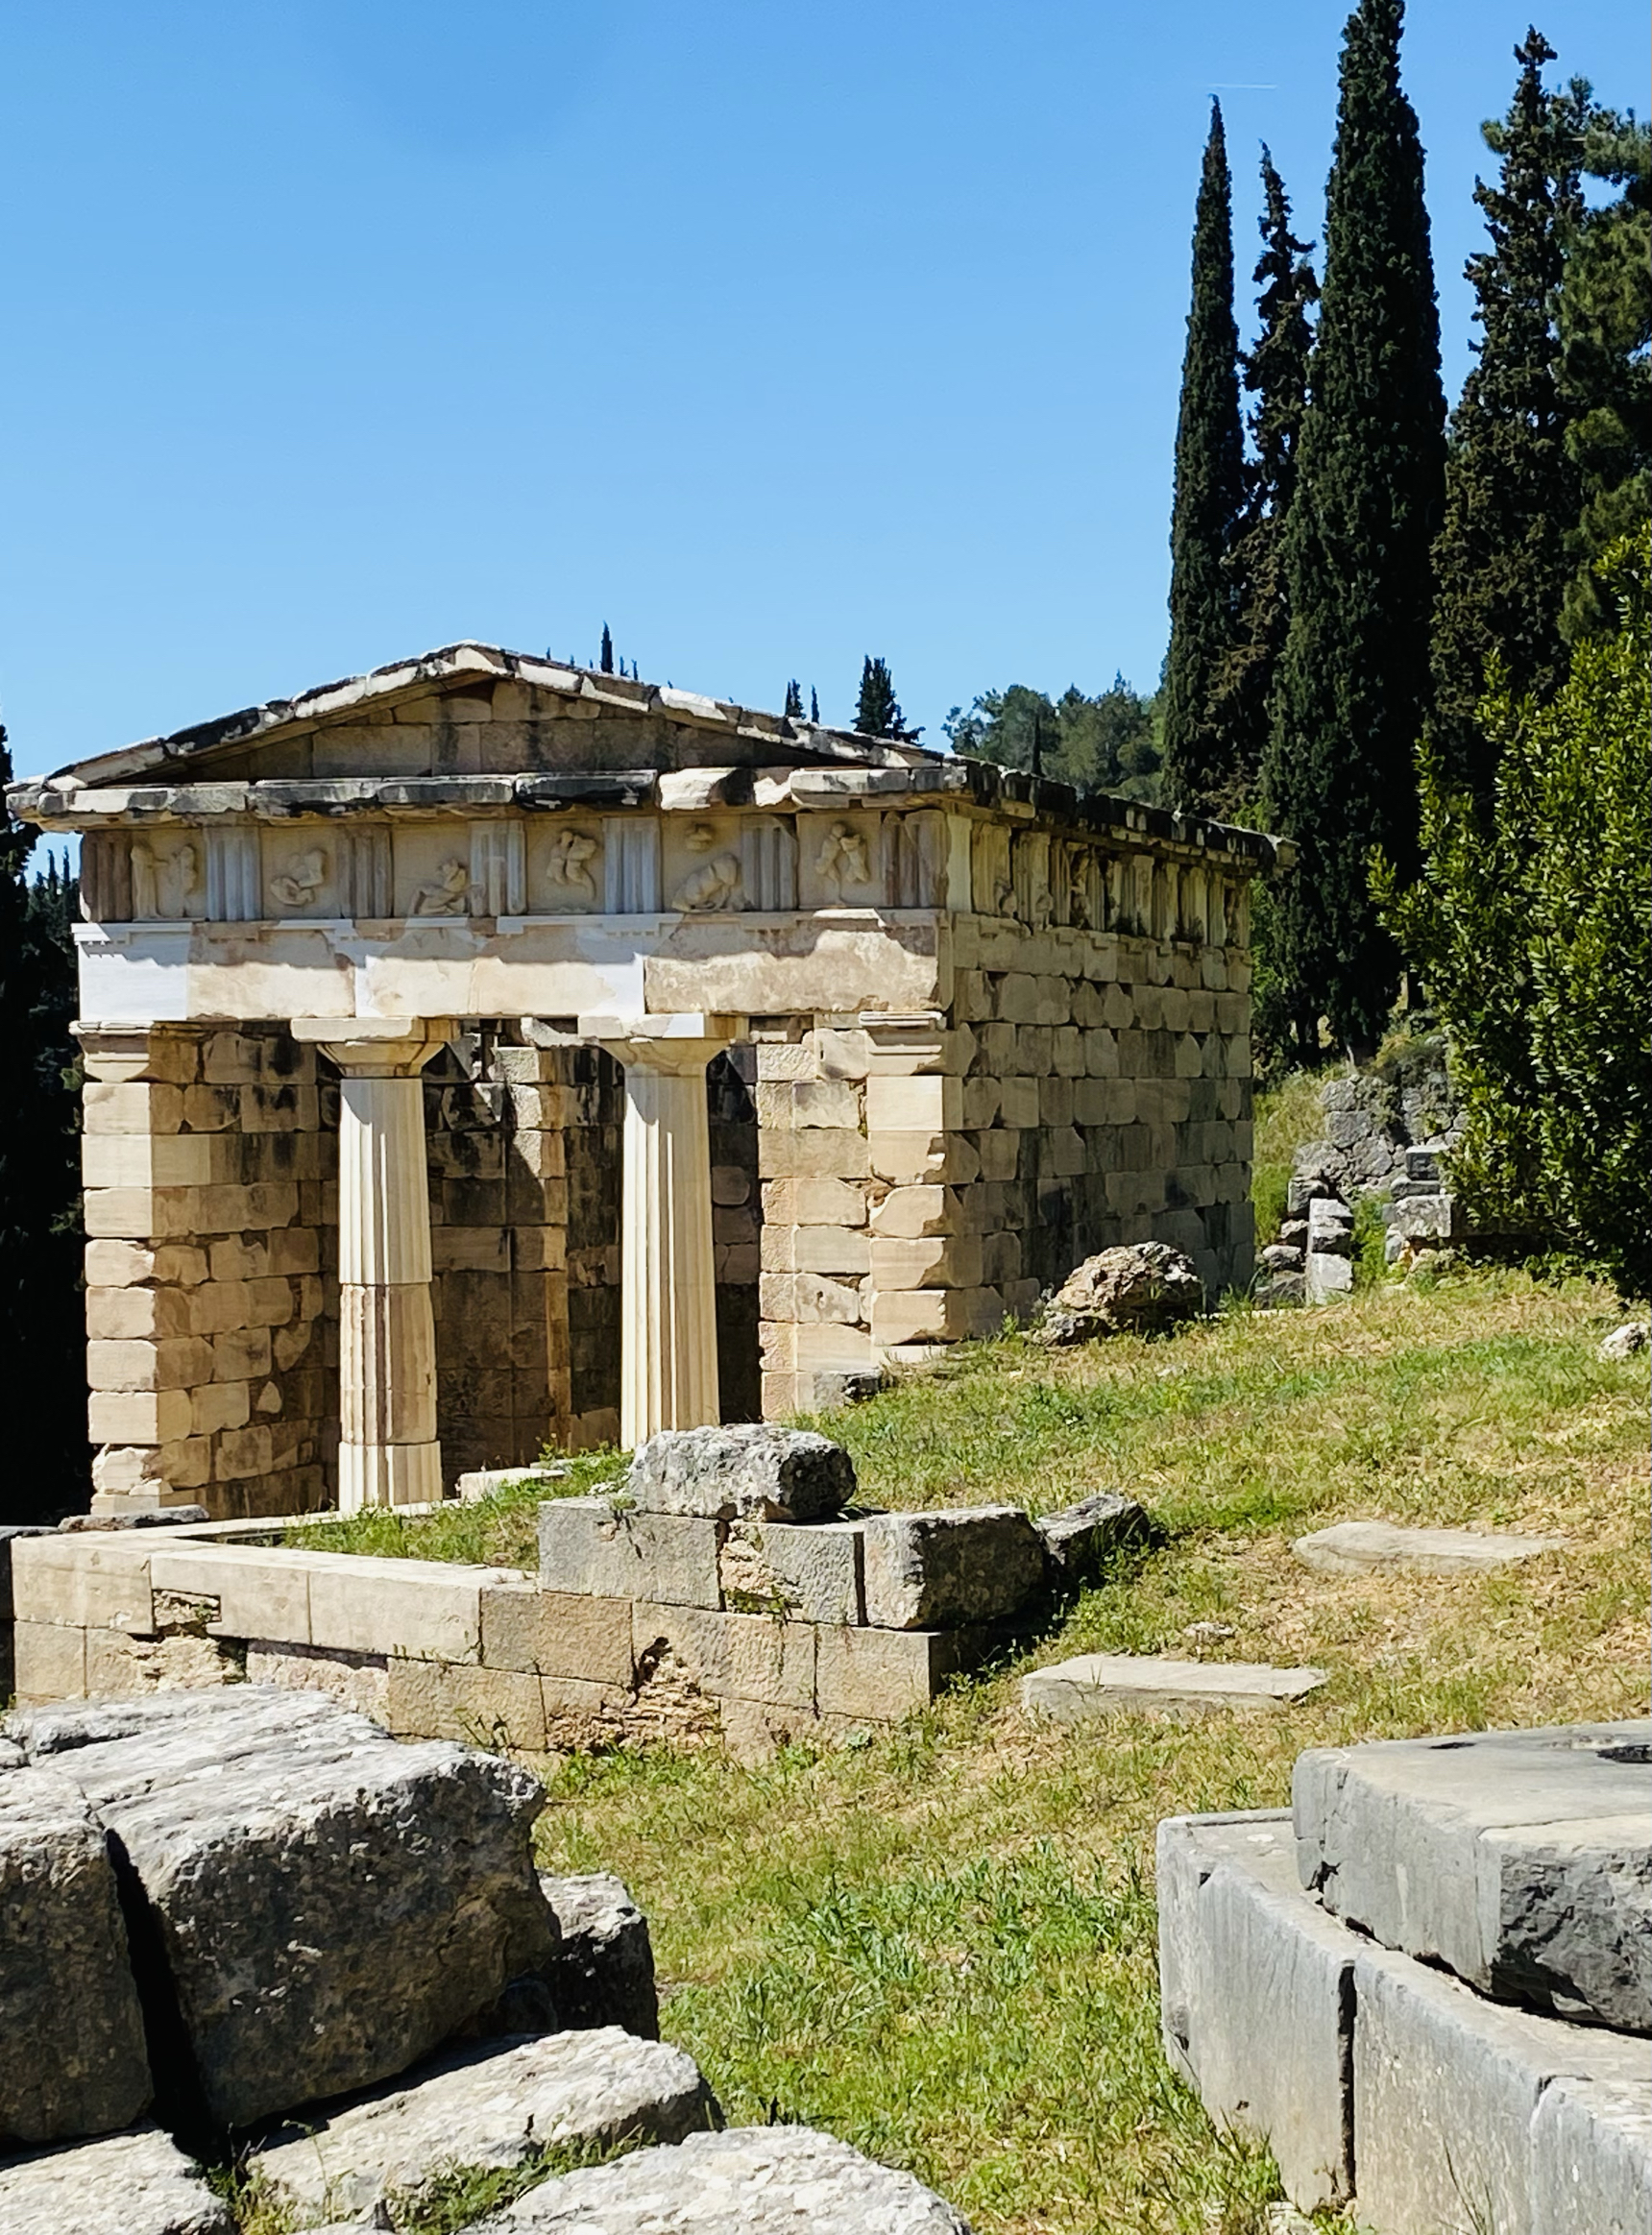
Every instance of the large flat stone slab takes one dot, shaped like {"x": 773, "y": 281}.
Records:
{"x": 323, "y": 1904}
{"x": 1103, "y": 1683}
{"x": 1448, "y": 2091}
{"x": 1520, "y": 1860}
{"x": 72, "y": 2056}
{"x": 123, "y": 2184}
{"x": 1380, "y": 1547}
{"x": 944, "y": 1569}
{"x": 1256, "y": 2001}
{"x": 497, "y": 2104}
{"x": 752, "y": 2180}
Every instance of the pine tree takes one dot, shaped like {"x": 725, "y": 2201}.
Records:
{"x": 1605, "y": 366}
{"x": 1276, "y": 375}
{"x": 878, "y": 714}
{"x": 1352, "y": 690}
{"x": 814, "y": 704}
{"x": 794, "y": 701}
{"x": 605, "y": 659}
{"x": 1511, "y": 489}
{"x": 41, "y": 1324}
{"x": 1205, "y": 511}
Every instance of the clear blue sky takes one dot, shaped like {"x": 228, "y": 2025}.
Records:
{"x": 774, "y": 332}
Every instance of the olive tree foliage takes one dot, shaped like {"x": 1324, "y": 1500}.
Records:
{"x": 1531, "y": 935}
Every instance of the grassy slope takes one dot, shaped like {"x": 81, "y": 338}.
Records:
{"x": 940, "y": 1945}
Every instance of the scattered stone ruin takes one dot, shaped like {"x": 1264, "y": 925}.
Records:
{"x": 1428, "y": 1984}
{"x": 189, "y": 1971}
{"x": 482, "y": 1053}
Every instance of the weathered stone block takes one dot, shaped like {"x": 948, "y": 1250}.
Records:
{"x": 1517, "y": 1858}
{"x": 497, "y": 2104}
{"x": 597, "y": 1548}
{"x": 602, "y": 1972}
{"x": 1377, "y": 1548}
{"x": 49, "y": 1660}
{"x": 1103, "y": 1683}
{"x": 757, "y": 1472}
{"x": 734, "y": 1656}
{"x": 251, "y": 1820}
{"x": 126, "y": 2184}
{"x": 1592, "y": 2159}
{"x": 258, "y": 1590}
{"x": 90, "y": 1581}
{"x": 811, "y": 1571}
{"x": 556, "y": 1633}
{"x": 72, "y": 2056}
{"x": 933, "y": 1261}
{"x": 1257, "y": 1995}
{"x": 764, "y": 2181}
{"x": 939, "y": 1571}
{"x": 880, "y": 1676}
{"x": 1080, "y": 1539}
{"x": 480, "y": 1707}
{"x": 1446, "y": 2085}
{"x": 421, "y": 1607}
{"x": 934, "y": 1315}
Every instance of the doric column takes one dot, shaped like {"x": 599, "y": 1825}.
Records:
{"x": 669, "y": 1342}
{"x": 388, "y": 1453}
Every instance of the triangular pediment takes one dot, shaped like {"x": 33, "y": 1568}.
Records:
{"x": 476, "y": 710}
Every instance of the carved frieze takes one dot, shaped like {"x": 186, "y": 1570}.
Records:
{"x": 167, "y": 878}
{"x": 840, "y": 860}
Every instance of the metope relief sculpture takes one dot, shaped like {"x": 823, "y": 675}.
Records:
{"x": 568, "y": 869}
{"x": 842, "y": 862}
{"x": 165, "y": 879}
{"x": 448, "y": 893}
{"x": 717, "y": 884}
{"x": 301, "y": 879}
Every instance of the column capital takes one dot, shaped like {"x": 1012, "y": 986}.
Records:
{"x": 681, "y": 1040}
{"x": 376, "y": 1047}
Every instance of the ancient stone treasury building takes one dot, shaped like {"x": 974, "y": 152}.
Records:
{"x": 484, "y": 1052}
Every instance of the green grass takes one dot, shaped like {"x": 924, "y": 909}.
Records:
{"x": 1286, "y": 1117}
{"x": 940, "y": 1944}
{"x": 496, "y": 1531}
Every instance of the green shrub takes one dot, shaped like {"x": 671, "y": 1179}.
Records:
{"x": 1532, "y": 936}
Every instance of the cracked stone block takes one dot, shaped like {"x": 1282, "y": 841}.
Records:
{"x": 755, "y": 1472}
{"x": 497, "y": 2104}
{"x": 1102, "y": 1684}
{"x": 124, "y": 2184}
{"x": 311, "y": 1905}
{"x": 603, "y": 1547}
{"x": 1257, "y": 1995}
{"x": 1592, "y": 2159}
{"x": 72, "y": 2054}
{"x": 1378, "y": 1547}
{"x": 602, "y": 1972}
{"x": 761, "y": 2180}
{"x": 1520, "y": 1860}
{"x": 1080, "y": 1539}
{"x": 940, "y": 1570}
{"x": 809, "y": 1570}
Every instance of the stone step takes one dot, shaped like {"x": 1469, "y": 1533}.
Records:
{"x": 1101, "y": 1684}
{"x": 752, "y": 2180}
{"x": 139, "y": 2183}
{"x": 1373, "y": 1547}
{"x": 496, "y": 2106}
{"x": 1520, "y": 1860}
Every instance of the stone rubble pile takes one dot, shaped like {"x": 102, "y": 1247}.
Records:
{"x": 248, "y": 1922}
{"x": 1428, "y": 1985}
{"x": 751, "y": 1585}
{"x": 1143, "y": 1288}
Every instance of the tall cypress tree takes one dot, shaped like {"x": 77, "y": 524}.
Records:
{"x": 1276, "y": 375}
{"x": 794, "y": 701}
{"x": 1352, "y": 690}
{"x": 814, "y": 704}
{"x": 1501, "y": 564}
{"x": 1209, "y": 489}
{"x": 605, "y": 658}
{"x": 878, "y": 712}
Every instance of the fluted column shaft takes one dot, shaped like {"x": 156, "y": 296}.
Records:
{"x": 669, "y": 1337}
{"x": 388, "y": 1453}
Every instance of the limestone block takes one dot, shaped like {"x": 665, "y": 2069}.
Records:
{"x": 1080, "y": 1539}
{"x": 221, "y": 1405}
{"x": 1517, "y": 1858}
{"x": 121, "y": 1160}
{"x": 764, "y": 2181}
{"x": 998, "y": 1154}
{"x": 603, "y": 1972}
{"x": 48, "y": 1661}
{"x": 812, "y": 1102}
{"x": 813, "y": 1203}
{"x": 944, "y": 1569}
{"x": 591, "y": 1548}
{"x": 251, "y": 1819}
{"x": 756, "y": 1473}
{"x": 139, "y": 2183}
{"x": 934, "y": 1315}
{"x": 1330, "y": 1227}
{"x": 72, "y": 2056}
{"x": 1018, "y": 1102}
{"x": 816, "y": 1249}
{"x": 1378, "y": 1547}
{"x": 1327, "y": 1278}
{"x": 122, "y": 1314}
{"x": 1592, "y": 2159}
{"x": 929, "y": 1104}
{"x": 506, "y": 2100}
{"x": 733, "y": 1656}
{"x": 936, "y": 1261}
{"x": 358, "y": 1680}
{"x": 912, "y": 1159}
{"x": 89, "y": 1580}
{"x": 421, "y": 1608}
{"x": 809, "y": 1570}
{"x": 1257, "y": 1995}
{"x": 1445, "y": 2086}
{"x": 482, "y": 1707}
{"x": 131, "y": 1106}
{"x": 813, "y": 1153}
{"x": 1103, "y": 1683}
{"x": 556, "y": 1633}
